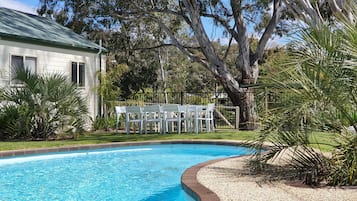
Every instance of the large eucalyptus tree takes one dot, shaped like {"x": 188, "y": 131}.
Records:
{"x": 234, "y": 18}
{"x": 238, "y": 20}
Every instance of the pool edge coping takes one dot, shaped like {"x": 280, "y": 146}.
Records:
{"x": 23, "y": 152}
{"x": 193, "y": 187}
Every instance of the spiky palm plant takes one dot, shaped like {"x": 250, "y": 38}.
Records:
{"x": 321, "y": 78}
{"x": 44, "y": 105}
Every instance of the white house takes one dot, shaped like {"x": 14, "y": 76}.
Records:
{"x": 46, "y": 47}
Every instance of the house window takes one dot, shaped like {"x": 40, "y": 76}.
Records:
{"x": 21, "y": 62}
{"x": 78, "y": 73}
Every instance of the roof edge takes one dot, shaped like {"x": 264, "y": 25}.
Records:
{"x": 48, "y": 43}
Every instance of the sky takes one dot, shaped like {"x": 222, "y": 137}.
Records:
{"x": 27, "y": 6}
{"x": 30, "y": 6}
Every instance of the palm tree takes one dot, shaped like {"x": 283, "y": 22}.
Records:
{"x": 42, "y": 106}
{"x": 321, "y": 79}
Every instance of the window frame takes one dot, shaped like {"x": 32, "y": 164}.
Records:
{"x": 78, "y": 68}
{"x": 24, "y": 65}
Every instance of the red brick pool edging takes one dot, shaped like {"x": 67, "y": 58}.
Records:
{"x": 193, "y": 187}
{"x": 189, "y": 180}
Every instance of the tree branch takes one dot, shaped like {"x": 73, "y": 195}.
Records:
{"x": 164, "y": 45}
{"x": 167, "y": 11}
{"x": 228, "y": 48}
{"x": 268, "y": 31}
{"x": 224, "y": 23}
{"x": 305, "y": 10}
{"x": 243, "y": 42}
{"x": 215, "y": 63}
{"x": 178, "y": 44}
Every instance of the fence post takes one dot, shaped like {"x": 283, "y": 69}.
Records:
{"x": 182, "y": 98}
{"x": 236, "y": 126}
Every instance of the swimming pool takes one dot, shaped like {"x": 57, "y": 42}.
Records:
{"x": 143, "y": 173}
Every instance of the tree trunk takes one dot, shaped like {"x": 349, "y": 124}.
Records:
{"x": 162, "y": 71}
{"x": 245, "y": 99}
{"x": 242, "y": 97}
{"x": 248, "y": 110}
{"x": 247, "y": 62}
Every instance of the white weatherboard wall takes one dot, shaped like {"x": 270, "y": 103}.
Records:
{"x": 54, "y": 60}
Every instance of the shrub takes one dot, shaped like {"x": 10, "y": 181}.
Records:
{"x": 14, "y": 122}
{"x": 99, "y": 123}
{"x": 321, "y": 73}
{"x": 41, "y": 107}
{"x": 344, "y": 161}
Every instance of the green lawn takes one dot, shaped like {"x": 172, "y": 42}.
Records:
{"x": 323, "y": 141}
{"x": 96, "y": 138}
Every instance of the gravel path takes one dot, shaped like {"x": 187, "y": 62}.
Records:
{"x": 231, "y": 181}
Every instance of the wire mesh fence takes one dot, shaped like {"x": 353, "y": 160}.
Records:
{"x": 226, "y": 114}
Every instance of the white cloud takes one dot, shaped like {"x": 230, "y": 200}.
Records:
{"x": 16, "y": 5}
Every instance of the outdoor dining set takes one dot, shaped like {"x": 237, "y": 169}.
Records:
{"x": 166, "y": 118}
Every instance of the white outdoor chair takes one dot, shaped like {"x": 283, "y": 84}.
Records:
{"x": 119, "y": 110}
{"x": 204, "y": 114}
{"x": 171, "y": 113}
{"x": 187, "y": 116}
{"x": 210, "y": 117}
{"x": 152, "y": 114}
{"x": 134, "y": 115}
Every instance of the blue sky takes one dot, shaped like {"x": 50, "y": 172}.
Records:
{"x": 30, "y": 6}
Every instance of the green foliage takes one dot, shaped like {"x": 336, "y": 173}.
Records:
{"x": 142, "y": 73}
{"x": 291, "y": 143}
{"x": 109, "y": 91}
{"x": 72, "y": 14}
{"x": 131, "y": 30}
{"x": 320, "y": 76}
{"x": 101, "y": 124}
{"x": 41, "y": 107}
{"x": 107, "y": 137}
{"x": 344, "y": 161}
{"x": 108, "y": 88}
{"x": 185, "y": 76}
{"x": 293, "y": 150}
{"x": 14, "y": 122}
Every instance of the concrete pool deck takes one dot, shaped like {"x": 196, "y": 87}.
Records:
{"x": 231, "y": 180}
{"x": 223, "y": 179}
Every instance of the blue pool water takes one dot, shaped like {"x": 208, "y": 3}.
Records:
{"x": 142, "y": 173}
